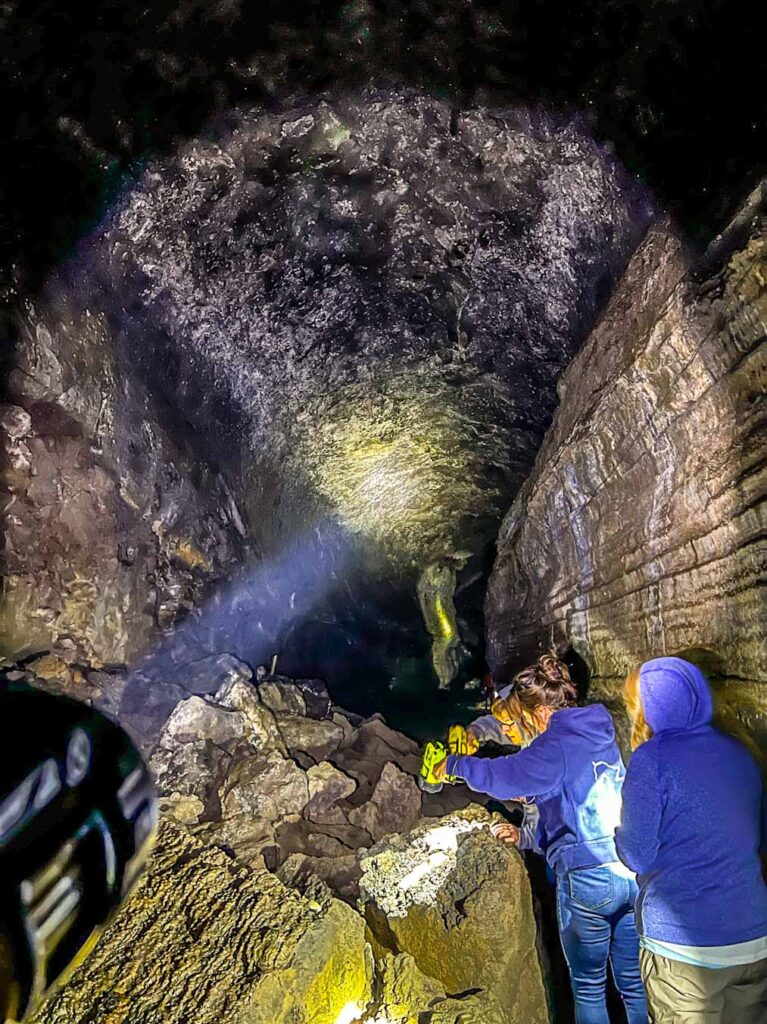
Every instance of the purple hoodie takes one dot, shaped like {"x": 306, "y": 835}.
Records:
{"x": 573, "y": 771}
{"x": 693, "y": 818}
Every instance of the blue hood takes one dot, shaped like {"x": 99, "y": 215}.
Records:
{"x": 675, "y": 695}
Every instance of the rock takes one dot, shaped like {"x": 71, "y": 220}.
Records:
{"x": 251, "y": 840}
{"x": 263, "y": 731}
{"x": 395, "y": 805}
{"x": 196, "y": 719}
{"x": 316, "y": 698}
{"x": 375, "y": 729}
{"x": 327, "y": 785}
{"x": 208, "y": 675}
{"x": 188, "y": 776}
{"x": 329, "y": 840}
{"x": 638, "y": 533}
{"x": 285, "y": 698}
{"x": 54, "y": 669}
{"x": 266, "y": 786}
{"x": 146, "y": 706}
{"x": 15, "y": 421}
{"x": 340, "y": 874}
{"x": 204, "y": 939}
{"x": 407, "y": 997}
{"x": 310, "y": 736}
{"x": 458, "y": 901}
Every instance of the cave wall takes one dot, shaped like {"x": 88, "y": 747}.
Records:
{"x": 111, "y": 528}
{"x": 641, "y": 531}
{"x": 319, "y": 341}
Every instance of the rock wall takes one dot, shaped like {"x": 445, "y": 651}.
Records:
{"x": 208, "y": 940}
{"x": 111, "y": 528}
{"x": 641, "y": 530}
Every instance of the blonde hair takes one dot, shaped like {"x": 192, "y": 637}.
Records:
{"x": 640, "y": 730}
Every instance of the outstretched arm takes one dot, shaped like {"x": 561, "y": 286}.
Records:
{"x": 534, "y": 771}
{"x": 637, "y": 836}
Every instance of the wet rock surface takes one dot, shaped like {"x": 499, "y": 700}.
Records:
{"x": 641, "y": 530}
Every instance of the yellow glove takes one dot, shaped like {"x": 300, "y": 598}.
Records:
{"x": 461, "y": 740}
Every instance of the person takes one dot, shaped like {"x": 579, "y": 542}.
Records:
{"x": 571, "y": 766}
{"x": 693, "y": 823}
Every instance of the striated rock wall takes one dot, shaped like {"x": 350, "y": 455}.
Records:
{"x": 208, "y": 940}
{"x": 641, "y": 530}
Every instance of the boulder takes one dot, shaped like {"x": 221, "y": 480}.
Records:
{"x": 196, "y": 719}
{"x": 241, "y": 696}
{"x": 187, "y": 776}
{"x": 459, "y": 901}
{"x": 266, "y": 786}
{"x": 207, "y": 940}
{"x": 395, "y": 805}
{"x": 208, "y": 675}
{"x": 318, "y": 738}
{"x": 327, "y": 785}
{"x": 282, "y": 697}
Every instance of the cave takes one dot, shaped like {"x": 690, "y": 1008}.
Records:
{"x": 359, "y": 353}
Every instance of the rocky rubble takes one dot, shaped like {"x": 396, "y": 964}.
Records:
{"x": 269, "y": 816}
{"x": 250, "y": 769}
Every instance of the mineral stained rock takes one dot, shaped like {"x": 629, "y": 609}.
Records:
{"x": 208, "y": 941}
{"x": 641, "y": 531}
{"x": 458, "y": 901}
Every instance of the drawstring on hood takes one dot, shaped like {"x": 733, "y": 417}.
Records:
{"x": 675, "y": 695}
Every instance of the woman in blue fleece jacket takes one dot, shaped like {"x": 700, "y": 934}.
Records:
{"x": 573, "y": 771}
{"x": 692, "y": 827}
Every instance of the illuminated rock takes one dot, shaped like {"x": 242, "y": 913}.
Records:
{"x": 459, "y": 902}
{"x": 310, "y": 735}
{"x": 265, "y": 786}
{"x": 327, "y": 785}
{"x": 282, "y": 697}
{"x": 205, "y": 940}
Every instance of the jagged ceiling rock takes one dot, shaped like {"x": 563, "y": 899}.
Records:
{"x": 328, "y": 334}
{"x": 641, "y": 531}
{"x": 370, "y": 298}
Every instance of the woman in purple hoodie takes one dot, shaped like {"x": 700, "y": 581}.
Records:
{"x": 692, "y": 827}
{"x": 572, "y": 769}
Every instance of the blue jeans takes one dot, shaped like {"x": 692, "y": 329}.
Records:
{"x": 595, "y": 911}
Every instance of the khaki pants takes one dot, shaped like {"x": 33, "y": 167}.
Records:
{"x": 679, "y": 993}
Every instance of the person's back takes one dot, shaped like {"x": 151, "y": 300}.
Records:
{"x": 703, "y": 886}
{"x": 692, "y": 828}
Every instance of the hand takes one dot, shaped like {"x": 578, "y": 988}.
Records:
{"x": 472, "y": 743}
{"x": 506, "y": 832}
{"x": 439, "y": 771}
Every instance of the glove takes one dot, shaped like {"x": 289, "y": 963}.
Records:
{"x": 461, "y": 740}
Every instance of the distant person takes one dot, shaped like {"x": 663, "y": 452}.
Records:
{"x": 692, "y": 827}
{"x": 571, "y": 767}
